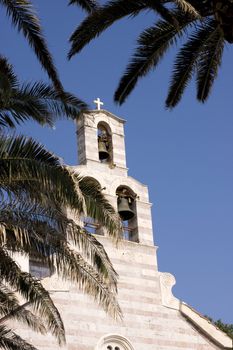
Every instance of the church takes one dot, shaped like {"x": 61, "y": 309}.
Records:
{"x": 153, "y": 319}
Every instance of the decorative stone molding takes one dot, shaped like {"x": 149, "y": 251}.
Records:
{"x": 167, "y": 281}
{"x": 114, "y": 341}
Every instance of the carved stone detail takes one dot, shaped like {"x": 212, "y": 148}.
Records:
{"x": 167, "y": 281}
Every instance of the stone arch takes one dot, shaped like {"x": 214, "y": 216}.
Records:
{"x": 126, "y": 182}
{"x": 114, "y": 342}
{"x": 105, "y": 145}
{"x": 89, "y": 223}
{"x": 93, "y": 179}
{"x": 126, "y": 198}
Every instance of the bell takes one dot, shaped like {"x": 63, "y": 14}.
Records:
{"x": 103, "y": 152}
{"x": 123, "y": 209}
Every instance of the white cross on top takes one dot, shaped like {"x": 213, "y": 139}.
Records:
{"x": 98, "y": 103}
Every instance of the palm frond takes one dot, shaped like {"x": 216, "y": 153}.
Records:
{"x": 89, "y": 280}
{"x": 98, "y": 208}
{"x": 11, "y": 341}
{"x": 186, "y": 60}
{"x": 35, "y": 101}
{"x": 208, "y": 64}
{"x": 40, "y": 232}
{"x": 41, "y": 103}
{"x": 99, "y": 280}
{"x": 101, "y": 19}
{"x": 153, "y": 44}
{"x": 10, "y": 308}
{"x": 26, "y": 21}
{"x": 94, "y": 252}
{"x": 186, "y": 7}
{"x": 8, "y": 79}
{"x": 33, "y": 291}
{"x": 29, "y": 171}
{"x": 160, "y": 8}
{"x": 87, "y": 5}
{"x": 28, "y": 168}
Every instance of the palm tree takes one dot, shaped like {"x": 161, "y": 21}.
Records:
{"x": 25, "y": 20}
{"x": 206, "y": 26}
{"x": 34, "y": 190}
{"x": 35, "y": 101}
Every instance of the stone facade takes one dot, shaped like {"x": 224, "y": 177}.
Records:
{"x": 153, "y": 318}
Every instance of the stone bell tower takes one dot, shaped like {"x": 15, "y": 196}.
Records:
{"x": 153, "y": 318}
{"x": 101, "y": 153}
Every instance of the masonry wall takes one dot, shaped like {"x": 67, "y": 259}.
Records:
{"x": 147, "y": 324}
{"x": 150, "y": 320}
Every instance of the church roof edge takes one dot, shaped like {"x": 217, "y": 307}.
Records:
{"x": 206, "y": 326}
{"x": 99, "y": 111}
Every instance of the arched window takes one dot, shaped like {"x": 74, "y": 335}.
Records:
{"x": 104, "y": 143}
{"x": 89, "y": 223}
{"x": 127, "y": 209}
{"x": 114, "y": 342}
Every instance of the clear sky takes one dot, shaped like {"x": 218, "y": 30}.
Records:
{"x": 185, "y": 156}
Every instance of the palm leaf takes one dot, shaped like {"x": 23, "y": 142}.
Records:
{"x": 208, "y": 64}
{"x": 31, "y": 172}
{"x": 28, "y": 168}
{"x": 98, "y": 208}
{"x": 105, "y": 16}
{"x": 153, "y": 44}
{"x": 8, "y": 79}
{"x": 41, "y": 103}
{"x": 87, "y": 5}
{"x": 34, "y": 230}
{"x": 38, "y": 101}
{"x": 89, "y": 280}
{"x": 186, "y": 7}
{"x": 33, "y": 291}
{"x": 10, "y": 308}
{"x": 70, "y": 265}
{"x": 186, "y": 60}
{"x": 24, "y": 18}
{"x": 11, "y": 341}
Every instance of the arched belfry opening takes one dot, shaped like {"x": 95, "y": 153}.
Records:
{"x": 104, "y": 143}
{"x": 89, "y": 223}
{"x": 127, "y": 209}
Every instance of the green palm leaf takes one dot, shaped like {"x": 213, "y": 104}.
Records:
{"x": 34, "y": 230}
{"x": 186, "y": 60}
{"x": 28, "y": 168}
{"x": 33, "y": 291}
{"x": 87, "y": 5}
{"x": 54, "y": 250}
{"x": 90, "y": 281}
{"x": 11, "y": 341}
{"x": 24, "y": 18}
{"x": 105, "y": 16}
{"x": 38, "y": 101}
{"x": 30, "y": 171}
{"x": 153, "y": 44}
{"x": 208, "y": 64}
{"x": 11, "y": 308}
{"x": 99, "y": 208}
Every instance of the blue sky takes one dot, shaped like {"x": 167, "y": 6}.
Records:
{"x": 185, "y": 156}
